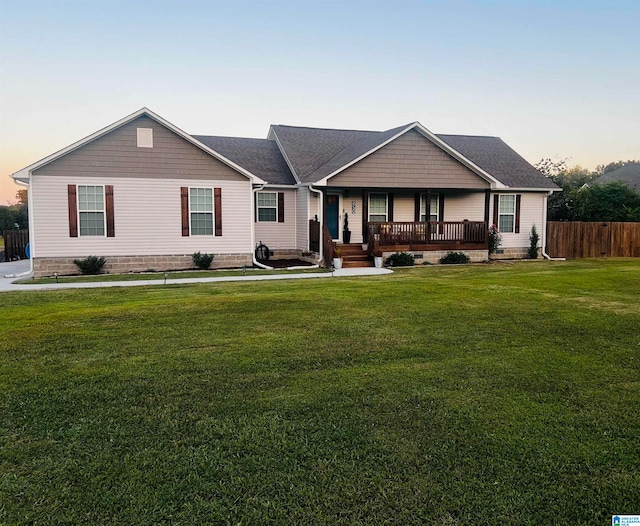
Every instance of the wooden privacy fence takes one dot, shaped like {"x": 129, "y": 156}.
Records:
{"x": 574, "y": 239}
{"x": 15, "y": 244}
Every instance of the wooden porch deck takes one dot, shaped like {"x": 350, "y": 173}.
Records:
{"x": 428, "y": 235}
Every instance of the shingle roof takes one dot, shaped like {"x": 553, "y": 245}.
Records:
{"x": 308, "y": 149}
{"x": 628, "y": 174}
{"x": 315, "y": 153}
{"x": 261, "y": 157}
{"x": 497, "y": 158}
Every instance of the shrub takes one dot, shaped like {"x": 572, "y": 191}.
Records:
{"x": 202, "y": 261}
{"x": 400, "y": 259}
{"x": 455, "y": 258}
{"x": 90, "y": 265}
{"x": 534, "y": 238}
{"x": 495, "y": 239}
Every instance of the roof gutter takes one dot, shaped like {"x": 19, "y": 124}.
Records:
{"x": 321, "y": 244}
{"x": 544, "y": 230}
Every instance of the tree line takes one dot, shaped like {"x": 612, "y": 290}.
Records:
{"x": 15, "y": 215}
{"x": 581, "y": 199}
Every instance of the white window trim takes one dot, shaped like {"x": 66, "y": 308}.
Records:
{"x": 386, "y": 207}
{"x": 258, "y": 207}
{"x": 104, "y": 211}
{"x": 513, "y": 214}
{"x": 213, "y": 226}
{"x": 423, "y": 206}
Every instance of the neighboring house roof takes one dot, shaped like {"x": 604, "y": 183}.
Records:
{"x": 628, "y": 174}
{"x": 261, "y": 157}
{"x": 496, "y": 157}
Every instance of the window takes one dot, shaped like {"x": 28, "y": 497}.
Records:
{"x": 433, "y": 209}
{"x": 201, "y": 211}
{"x": 267, "y": 206}
{"x": 91, "y": 210}
{"x": 377, "y": 208}
{"x": 507, "y": 213}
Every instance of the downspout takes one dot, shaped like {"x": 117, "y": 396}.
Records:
{"x": 253, "y": 229}
{"x": 544, "y": 231}
{"x": 321, "y": 244}
{"x": 31, "y": 237}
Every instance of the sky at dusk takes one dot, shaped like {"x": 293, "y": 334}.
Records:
{"x": 552, "y": 78}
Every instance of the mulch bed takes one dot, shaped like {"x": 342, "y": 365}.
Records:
{"x": 284, "y": 263}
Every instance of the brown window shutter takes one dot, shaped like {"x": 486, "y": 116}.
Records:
{"x": 365, "y": 215}
{"x": 217, "y": 206}
{"x": 184, "y": 204}
{"x": 280, "y": 207}
{"x": 441, "y": 211}
{"x": 255, "y": 207}
{"x": 73, "y": 210}
{"x": 518, "y": 197}
{"x": 496, "y": 203}
{"x": 108, "y": 200}
{"x": 416, "y": 207}
{"x": 390, "y": 205}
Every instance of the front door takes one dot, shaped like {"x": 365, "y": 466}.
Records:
{"x": 332, "y": 215}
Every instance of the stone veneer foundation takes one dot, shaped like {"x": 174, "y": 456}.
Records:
{"x": 43, "y": 267}
{"x": 511, "y": 253}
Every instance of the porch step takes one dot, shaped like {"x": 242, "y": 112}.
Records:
{"x": 354, "y": 256}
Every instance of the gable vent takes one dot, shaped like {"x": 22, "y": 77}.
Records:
{"x": 145, "y": 137}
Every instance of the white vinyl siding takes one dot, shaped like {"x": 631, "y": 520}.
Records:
{"x": 267, "y": 207}
{"x": 434, "y": 209}
{"x": 146, "y": 227}
{"x": 378, "y": 208}
{"x": 507, "y": 213}
{"x": 532, "y": 206}
{"x": 91, "y": 211}
{"x": 279, "y": 235}
{"x": 201, "y": 211}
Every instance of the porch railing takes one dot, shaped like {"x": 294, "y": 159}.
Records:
{"x": 429, "y": 232}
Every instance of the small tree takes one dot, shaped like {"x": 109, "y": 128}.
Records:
{"x": 495, "y": 239}
{"x": 534, "y": 238}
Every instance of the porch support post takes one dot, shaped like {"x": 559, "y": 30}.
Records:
{"x": 487, "y": 203}
{"x": 365, "y": 216}
{"x": 428, "y": 216}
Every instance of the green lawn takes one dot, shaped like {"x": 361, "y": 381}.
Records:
{"x": 477, "y": 394}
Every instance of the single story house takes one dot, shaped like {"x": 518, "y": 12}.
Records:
{"x": 146, "y": 195}
{"x": 628, "y": 174}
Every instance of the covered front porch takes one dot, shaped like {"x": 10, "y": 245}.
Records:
{"x": 391, "y": 220}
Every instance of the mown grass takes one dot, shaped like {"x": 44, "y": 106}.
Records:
{"x": 143, "y": 276}
{"x": 497, "y": 394}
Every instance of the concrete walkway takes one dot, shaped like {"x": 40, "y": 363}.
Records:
{"x": 17, "y": 267}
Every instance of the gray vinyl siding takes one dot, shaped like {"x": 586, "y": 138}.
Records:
{"x": 117, "y": 155}
{"x": 411, "y": 161}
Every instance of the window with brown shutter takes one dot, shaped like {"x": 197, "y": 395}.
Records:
{"x": 72, "y": 199}
{"x": 217, "y": 206}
